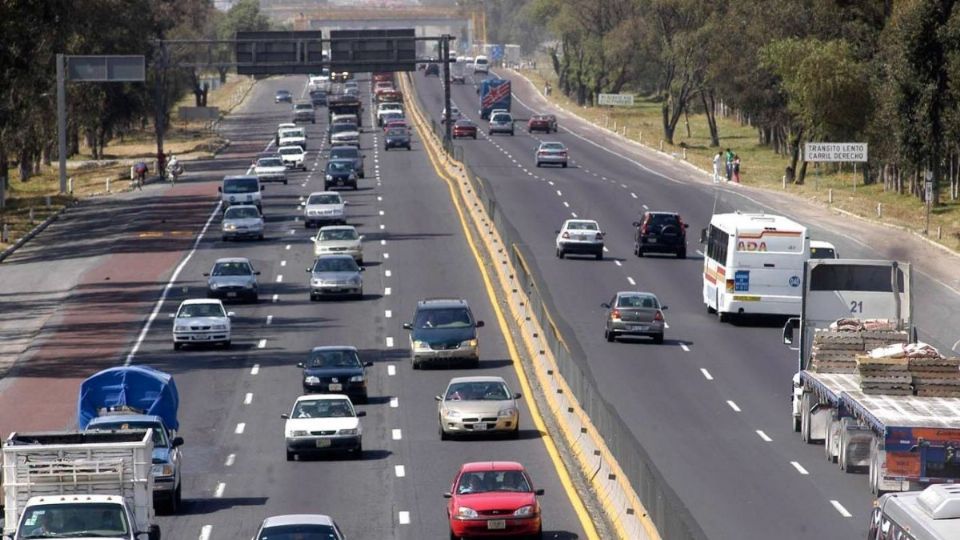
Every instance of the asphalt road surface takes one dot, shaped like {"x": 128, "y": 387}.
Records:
{"x": 711, "y": 405}
{"x": 235, "y": 471}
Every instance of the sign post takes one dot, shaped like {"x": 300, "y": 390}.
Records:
{"x": 928, "y": 197}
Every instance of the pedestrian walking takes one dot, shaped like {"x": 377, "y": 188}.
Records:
{"x": 736, "y": 169}
{"x": 729, "y": 159}
{"x": 716, "y": 167}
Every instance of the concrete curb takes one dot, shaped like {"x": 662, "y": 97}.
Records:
{"x": 33, "y": 232}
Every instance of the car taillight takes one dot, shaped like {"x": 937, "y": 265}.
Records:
{"x": 599, "y": 236}
{"x": 615, "y": 314}
{"x": 643, "y": 228}
{"x": 658, "y": 316}
{"x": 729, "y": 285}
{"x": 566, "y": 235}
{"x": 541, "y": 153}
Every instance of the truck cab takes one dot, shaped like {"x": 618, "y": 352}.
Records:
{"x": 80, "y": 516}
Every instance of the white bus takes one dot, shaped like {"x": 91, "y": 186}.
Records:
{"x": 931, "y": 514}
{"x": 753, "y": 264}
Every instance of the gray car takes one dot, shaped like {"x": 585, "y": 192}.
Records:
{"x": 335, "y": 275}
{"x": 349, "y": 152}
{"x": 396, "y": 138}
{"x": 478, "y": 406}
{"x": 304, "y": 112}
{"x": 631, "y": 313}
{"x": 554, "y": 153}
{"x": 232, "y": 278}
{"x": 500, "y": 123}
{"x": 242, "y": 221}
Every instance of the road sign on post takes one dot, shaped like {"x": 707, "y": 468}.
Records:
{"x": 834, "y": 152}
{"x": 278, "y": 53}
{"x": 373, "y": 50}
{"x": 616, "y": 100}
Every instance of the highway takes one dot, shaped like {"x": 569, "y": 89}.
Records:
{"x": 711, "y": 405}
{"x": 235, "y": 473}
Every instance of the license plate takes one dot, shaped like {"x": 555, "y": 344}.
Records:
{"x": 231, "y": 294}
{"x": 323, "y": 443}
{"x": 638, "y": 328}
{"x": 336, "y": 387}
{"x": 339, "y": 182}
{"x": 497, "y": 524}
{"x": 202, "y": 338}
{"x": 480, "y": 427}
{"x": 651, "y": 240}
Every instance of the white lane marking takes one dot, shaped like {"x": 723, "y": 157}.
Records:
{"x": 293, "y": 231}
{"x": 400, "y": 471}
{"x": 205, "y": 532}
{"x": 733, "y": 406}
{"x": 684, "y": 347}
{"x": 275, "y": 298}
{"x": 605, "y": 250}
{"x": 574, "y": 214}
{"x": 391, "y": 370}
{"x": 634, "y": 195}
{"x": 387, "y": 291}
{"x": 383, "y": 242}
{"x": 219, "y": 491}
{"x": 799, "y": 467}
{"x": 706, "y": 374}
{"x": 559, "y": 194}
{"x": 248, "y": 399}
{"x": 389, "y": 341}
{"x": 394, "y": 402}
{"x": 386, "y": 255}
{"x": 269, "y": 319}
{"x": 382, "y": 212}
{"x": 387, "y": 273}
{"x": 624, "y": 186}
{"x": 397, "y": 435}
{"x": 166, "y": 288}
{"x": 262, "y": 343}
{"x": 283, "y": 263}
{"x": 239, "y": 429}
{"x": 843, "y": 511}
{"x": 550, "y": 182}
{"x": 288, "y": 247}
{"x": 631, "y": 281}
{"x": 645, "y": 207}
{"x": 565, "y": 203}
{"x": 618, "y": 263}
{"x": 764, "y": 436}
{"x": 666, "y": 325}
{"x": 279, "y": 278}
{"x": 404, "y": 518}
{"x": 230, "y": 460}
{"x": 388, "y": 314}
{"x": 379, "y": 198}
{"x": 382, "y": 226}
{"x": 255, "y": 369}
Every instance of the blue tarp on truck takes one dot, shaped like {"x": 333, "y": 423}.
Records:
{"x": 494, "y": 94}
{"x": 138, "y": 389}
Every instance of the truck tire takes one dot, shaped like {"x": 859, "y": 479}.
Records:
{"x": 877, "y": 456}
{"x": 831, "y": 439}
{"x": 805, "y": 406}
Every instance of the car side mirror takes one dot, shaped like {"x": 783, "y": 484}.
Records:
{"x": 517, "y": 395}
{"x": 556, "y": 231}
{"x": 263, "y": 188}
{"x": 177, "y": 441}
{"x": 346, "y": 203}
{"x": 538, "y": 491}
{"x": 256, "y": 273}
{"x": 361, "y": 269}
{"x": 636, "y": 223}
{"x": 703, "y": 236}
{"x": 686, "y": 225}
{"x": 361, "y": 413}
{"x": 479, "y": 324}
{"x": 206, "y": 274}
{"x": 448, "y": 495}
{"x": 231, "y": 314}
{"x": 309, "y": 270}
{"x": 220, "y": 189}
{"x": 407, "y": 326}
{"x": 605, "y": 305}
{"x": 663, "y": 308}
{"x": 285, "y": 416}
{"x": 790, "y": 330}
{"x": 300, "y": 365}
{"x": 361, "y": 237}
{"x": 437, "y": 398}
{"x": 368, "y": 364}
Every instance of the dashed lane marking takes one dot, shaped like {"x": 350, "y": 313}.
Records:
{"x": 248, "y": 399}
{"x": 283, "y": 263}
{"x": 205, "y": 532}
{"x": 799, "y": 468}
{"x": 239, "y": 429}
{"x": 733, "y": 406}
{"x": 400, "y": 471}
{"x": 262, "y": 343}
{"x": 843, "y": 511}
{"x": 397, "y": 435}
{"x": 634, "y": 195}
{"x": 574, "y": 214}
{"x": 387, "y": 273}
{"x": 631, "y": 281}
{"x": 391, "y": 370}
{"x": 269, "y": 319}
{"x": 706, "y": 374}
{"x": 288, "y": 247}
{"x": 565, "y": 203}
{"x": 279, "y": 278}
{"x": 389, "y": 341}
{"x": 394, "y": 402}
{"x": 387, "y": 291}
{"x": 684, "y": 347}
{"x": 404, "y": 518}
{"x": 618, "y": 263}
{"x": 219, "y": 491}
{"x": 388, "y": 314}
{"x": 255, "y": 369}
{"x": 275, "y": 298}
{"x": 764, "y": 436}
{"x": 231, "y": 459}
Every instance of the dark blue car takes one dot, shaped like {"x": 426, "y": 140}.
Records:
{"x": 335, "y": 370}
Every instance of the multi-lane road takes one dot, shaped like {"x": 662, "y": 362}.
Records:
{"x": 711, "y": 404}
{"x": 235, "y": 472}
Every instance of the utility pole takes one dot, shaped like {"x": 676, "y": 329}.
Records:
{"x": 160, "y": 75}
{"x": 62, "y": 121}
{"x": 445, "y": 58}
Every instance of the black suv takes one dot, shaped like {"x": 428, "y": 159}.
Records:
{"x": 443, "y": 331}
{"x": 660, "y": 232}
{"x": 335, "y": 370}
{"x": 432, "y": 69}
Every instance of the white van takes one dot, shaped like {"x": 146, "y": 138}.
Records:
{"x": 753, "y": 264}
{"x": 241, "y": 189}
{"x": 823, "y": 250}
{"x": 481, "y": 64}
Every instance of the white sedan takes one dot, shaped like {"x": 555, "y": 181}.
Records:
{"x": 324, "y": 207}
{"x": 293, "y": 157}
{"x": 339, "y": 240}
{"x": 580, "y": 236}
{"x": 321, "y": 423}
{"x": 201, "y": 321}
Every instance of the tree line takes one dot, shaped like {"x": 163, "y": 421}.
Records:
{"x": 35, "y": 31}
{"x": 878, "y": 71}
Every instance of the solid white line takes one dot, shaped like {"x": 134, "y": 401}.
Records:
{"x": 205, "y": 532}
{"x": 166, "y": 289}
{"x": 733, "y": 406}
{"x": 240, "y": 427}
{"x": 764, "y": 436}
{"x": 843, "y": 511}
{"x": 630, "y": 279}
{"x": 400, "y": 471}
{"x": 387, "y": 273}
{"x": 684, "y": 347}
{"x": 262, "y": 343}
{"x": 386, "y": 291}
{"x": 404, "y": 518}
{"x": 255, "y": 369}
{"x": 394, "y": 402}
{"x": 397, "y": 435}
{"x": 248, "y": 399}
{"x": 706, "y": 374}
{"x": 799, "y": 467}
{"x": 391, "y": 370}
{"x": 276, "y": 297}
{"x": 389, "y": 341}
{"x": 279, "y": 278}
{"x": 219, "y": 491}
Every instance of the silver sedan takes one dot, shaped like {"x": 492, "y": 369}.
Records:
{"x": 478, "y": 405}
{"x": 634, "y": 314}
{"x": 552, "y": 153}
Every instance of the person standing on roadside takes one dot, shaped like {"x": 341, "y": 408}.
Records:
{"x": 736, "y": 169}
{"x": 729, "y": 159}
{"x": 716, "y": 167}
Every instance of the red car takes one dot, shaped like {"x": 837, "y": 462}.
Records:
{"x": 493, "y": 499}
{"x": 464, "y": 128}
{"x": 542, "y": 122}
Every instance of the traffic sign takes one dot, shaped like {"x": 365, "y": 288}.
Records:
{"x": 496, "y": 52}
{"x": 620, "y": 100}
{"x": 834, "y": 152}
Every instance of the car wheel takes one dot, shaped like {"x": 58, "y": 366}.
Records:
{"x": 474, "y": 136}
{"x": 178, "y": 498}
{"x": 358, "y": 453}
{"x": 226, "y": 344}
{"x": 658, "y": 339}
{"x": 710, "y": 310}
{"x": 260, "y": 236}
{"x": 291, "y": 455}
{"x": 515, "y": 434}
{"x": 564, "y": 164}
{"x": 443, "y": 434}
{"x": 255, "y": 298}
{"x": 313, "y": 297}
{"x": 225, "y": 238}
{"x": 453, "y": 536}
{"x": 414, "y": 363}
{"x": 639, "y": 251}
{"x": 511, "y": 133}
{"x": 600, "y": 255}
{"x": 609, "y": 336}
{"x": 176, "y": 346}
{"x": 386, "y": 148}
{"x": 409, "y": 148}
{"x": 306, "y": 224}
{"x": 538, "y": 164}
{"x": 560, "y": 253}
{"x": 284, "y": 182}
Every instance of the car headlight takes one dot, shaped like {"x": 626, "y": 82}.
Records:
{"x": 298, "y": 433}
{"x": 465, "y": 512}
{"x": 356, "y": 378}
{"x": 179, "y": 328}
{"x": 507, "y": 412}
{"x": 310, "y": 379}
{"x": 229, "y": 226}
{"x": 329, "y": 177}
{"x": 353, "y": 176}
{"x": 316, "y": 282}
{"x": 162, "y": 469}
{"x": 250, "y": 285}
{"x": 355, "y": 280}
{"x": 214, "y": 285}
{"x": 354, "y": 431}
{"x": 470, "y": 343}
{"x": 451, "y": 413}
{"x": 525, "y": 511}
{"x": 219, "y": 327}
{"x": 421, "y": 345}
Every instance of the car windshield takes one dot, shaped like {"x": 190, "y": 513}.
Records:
{"x": 396, "y": 132}
{"x": 304, "y": 107}
{"x": 334, "y": 359}
{"x": 501, "y": 118}
{"x": 290, "y": 150}
{"x": 464, "y": 123}
{"x": 159, "y": 437}
{"x": 322, "y": 408}
{"x": 581, "y": 226}
{"x": 443, "y": 318}
{"x": 390, "y": 107}
{"x": 338, "y": 264}
{"x": 392, "y": 115}
{"x": 325, "y": 198}
{"x": 661, "y": 220}
{"x": 283, "y": 92}
{"x": 638, "y": 301}
{"x": 478, "y": 391}
{"x": 552, "y": 146}
{"x": 339, "y": 166}
{"x": 240, "y": 185}
{"x": 288, "y": 133}
{"x": 340, "y": 128}
{"x": 822, "y": 253}
{"x": 299, "y": 532}
{"x": 486, "y": 481}
{"x": 270, "y": 162}
{"x": 201, "y": 310}
{"x": 338, "y": 234}
{"x": 344, "y": 153}
{"x": 231, "y": 269}
{"x": 74, "y": 521}
{"x": 241, "y": 212}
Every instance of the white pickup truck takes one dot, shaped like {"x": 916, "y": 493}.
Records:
{"x": 79, "y": 485}
{"x": 292, "y": 137}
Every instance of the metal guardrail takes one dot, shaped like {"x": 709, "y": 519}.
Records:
{"x": 672, "y": 518}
